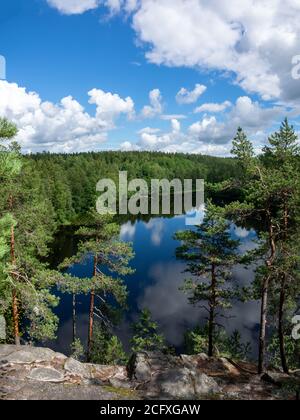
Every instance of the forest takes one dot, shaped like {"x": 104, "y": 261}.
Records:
{"x": 42, "y": 192}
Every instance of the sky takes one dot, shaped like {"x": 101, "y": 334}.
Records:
{"x": 161, "y": 75}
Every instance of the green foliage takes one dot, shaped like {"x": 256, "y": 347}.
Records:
{"x": 100, "y": 241}
{"x": 210, "y": 254}
{"x": 271, "y": 188}
{"x": 146, "y": 336}
{"x": 26, "y": 226}
{"x": 196, "y": 342}
{"x": 106, "y": 349}
{"x": 8, "y": 130}
{"x": 77, "y": 350}
{"x": 242, "y": 148}
{"x": 70, "y": 179}
{"x": 292, "y": 351}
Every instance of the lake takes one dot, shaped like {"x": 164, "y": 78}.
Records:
{"x": 155, "y": 285}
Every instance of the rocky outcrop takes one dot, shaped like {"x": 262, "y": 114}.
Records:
{"x": 41, "y": 374}
{"x": 201, "y": 377}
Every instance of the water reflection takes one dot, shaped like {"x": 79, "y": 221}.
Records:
{"x": 155, "y": 285}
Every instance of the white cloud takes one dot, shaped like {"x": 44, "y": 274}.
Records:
{"x": 62, "y": 127}
{"x": 116, "y": 5}
{"x": 210, "y": 135}
{"x": 149, "y": 130}
{"x": 245, "y": 113}
{"x": 74, "y": 7}
{"x": 254, "y": 40}
{"x": 212, "y": 107}
{"x": 168, "y": 117}
{"x": 110, "y": 106}
{"x": 155, "y": 108}
{"x": 185, "y": 96}
{"x": 176, "y": 126}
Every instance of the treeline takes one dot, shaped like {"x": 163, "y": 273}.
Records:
{"x": 70, "y": 180}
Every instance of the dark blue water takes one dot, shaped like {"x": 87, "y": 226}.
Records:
{"x": 155, "y": 285}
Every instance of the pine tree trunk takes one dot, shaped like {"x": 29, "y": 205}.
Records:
{"x": 264, "y": 299}
{"x": 282, "y": 299}
{"x": 91, "y": 316}
{"x": 74, "y": 316}
{"x": 211, "y": 323}
{"x": 263, "y": 324}
{"x": 91, "y": 323}
{"x": 15, "y": 309}
{"x": 281, "y": 327}
{"x": 15, "y": 312}
{"x": 211, "y": 333}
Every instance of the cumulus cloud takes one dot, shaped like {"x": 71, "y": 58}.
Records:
{"x": 248, "y": 114}
{"x": 184, "y": 96}
{"x": 168, "y": 117}
{"x": 62, "y": 127}
{"x": 211, "y": 135}
{"x": 75, "y": 7}
{"x": 212, "y": 107}
{"x": 110, "y": 106}
{"x": 253, "y": 40}
{"x": 155, "y": 108}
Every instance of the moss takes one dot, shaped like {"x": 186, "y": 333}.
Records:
{"x": 121, "y": 392}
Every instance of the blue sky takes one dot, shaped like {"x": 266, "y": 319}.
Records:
{"x": 209, "y": 68}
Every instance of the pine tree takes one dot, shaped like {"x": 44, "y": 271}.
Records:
{"x": 10, "y": 164}
{"x": 271, "y": 190}
{"x": 146, "y": 336}
{"x": 106, "y": 348}
{"x": 210, "y": 254}
{"x": 111, "y": 257}
{"x": 26, "y": 227}
{"x": 282, "y": 156}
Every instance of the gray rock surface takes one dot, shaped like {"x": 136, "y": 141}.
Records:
{"x": 76, "y": 368}
{"x": 31, "y": 373}
{"x": 46, "y": 374}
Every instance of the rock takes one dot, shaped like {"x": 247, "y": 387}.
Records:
{"x": 176, "y": 383}
{"x": 182, "y": 383}
{"x": 46, "y": 374}
{"x": 50, "y": 391}
{"x": 105, "y": 373}
{"x": 116, "y": 383}
{"x": 43, "y": 354}
{"x": 41, "y": 374}
{"x": 5, "y": 350}
{"x": 205, "y": 385}
{"x": 139, "y": 368}
{"x": 76, "y": 368}
{"x": 193, "y": 361}
{"x": 28, "y": 354}
{"x": 21, "y": 356}
{"x": 276, "y": 378}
